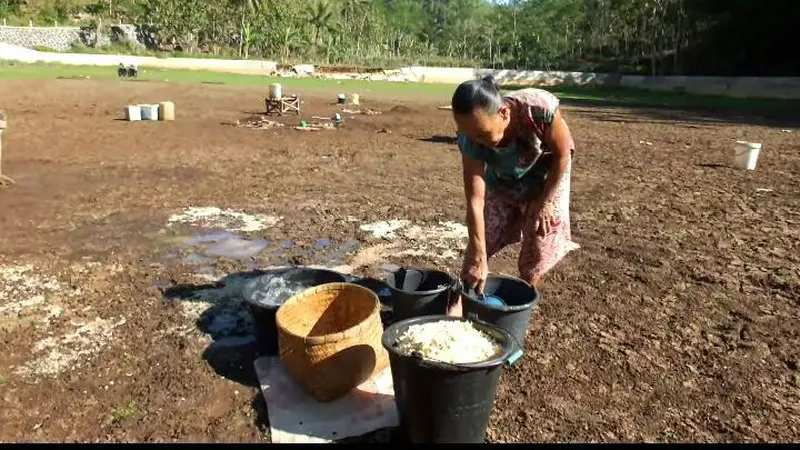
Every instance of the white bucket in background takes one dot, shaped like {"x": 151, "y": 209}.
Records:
{"x": 149, "y": 112}
{"x": 745, "y": 155}
{"x": 166, "y": 111}
{"x": 342, "y": 99}
{"x": 275, "y": 91}
{"x": 355, "y": 99}
{"x": 133, "y": 113}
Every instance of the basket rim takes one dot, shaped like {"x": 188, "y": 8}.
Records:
{"x": 325, "y": 338}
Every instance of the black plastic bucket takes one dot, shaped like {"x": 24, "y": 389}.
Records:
{"x": 419, "y": 292}
{"x": 519, "y": 297}
{"x": 445, "y": 403}
{"x": 264, "y": 313}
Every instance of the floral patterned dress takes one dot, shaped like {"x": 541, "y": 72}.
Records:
{"x": 514, "y": 178}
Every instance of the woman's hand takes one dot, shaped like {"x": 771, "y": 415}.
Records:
{"x": 547, "y": 220}
{"x": 475, "y": 270}
{"x": 473, "y": 274}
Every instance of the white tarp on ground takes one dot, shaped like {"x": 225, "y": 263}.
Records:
{"x": 294, "y": 417}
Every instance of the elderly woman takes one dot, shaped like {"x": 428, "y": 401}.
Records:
{"x": 516, "y": 155}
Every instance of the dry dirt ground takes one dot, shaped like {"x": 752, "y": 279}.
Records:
{"x": 677, "y": 320}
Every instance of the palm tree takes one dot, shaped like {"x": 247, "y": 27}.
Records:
{"x": 351, "y": 9}
{"x": 288, "y": 39}
{"x": 246, "y": 9}
{"x": 321, "y": 19}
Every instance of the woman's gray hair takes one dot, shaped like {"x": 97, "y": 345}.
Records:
{"x": 483, "y": 93}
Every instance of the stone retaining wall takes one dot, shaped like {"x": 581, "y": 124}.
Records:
{"x": 62, "y": 38}
{"x": 56, "y": 38}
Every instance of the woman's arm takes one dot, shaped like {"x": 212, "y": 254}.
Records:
{"x": 475, "y": 269}
{"x": 558, "y": 141}
{"x": 474, "y": 189}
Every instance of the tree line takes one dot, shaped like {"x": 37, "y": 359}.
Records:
{"x": 650, "y": 37}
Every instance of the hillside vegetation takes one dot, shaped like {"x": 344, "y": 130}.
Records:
{"x": 654, "y": 37}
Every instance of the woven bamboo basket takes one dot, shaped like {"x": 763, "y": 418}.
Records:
{"x": 329, "y": 339}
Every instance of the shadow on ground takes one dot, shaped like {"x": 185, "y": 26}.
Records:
{"x": 612, "y": 110}
{"x": 439, "y": 139}
{"x": 227, "y": 321}
{"x": 261, "y": 420}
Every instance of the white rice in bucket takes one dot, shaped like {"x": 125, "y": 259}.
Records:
{"x": 447, "y": 341}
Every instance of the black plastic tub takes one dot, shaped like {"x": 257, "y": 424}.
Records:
{"x": 514, "y": 316}
{"x": 419, "y": 292}
{"x": 440, "y": 402}
{"x": 264, "y": 312}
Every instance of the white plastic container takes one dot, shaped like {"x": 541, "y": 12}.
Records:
{"x": 133, "y": 113}
{"x": 745, "y": 155}
{"x": 149, "y": 112}
{"x": 355, "y": 99}
{"x": 275, "y": 91}
{"x": 166, "y": 111}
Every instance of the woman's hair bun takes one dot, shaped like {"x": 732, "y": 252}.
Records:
{"x": 480, "y": 93}
{"x": 490, "y": 82}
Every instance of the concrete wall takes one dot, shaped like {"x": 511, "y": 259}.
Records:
{"x": 255, "y": 67}
{"x": 755, "y": 87}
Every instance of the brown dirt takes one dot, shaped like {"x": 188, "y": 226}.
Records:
{"x": 676, "y": 321}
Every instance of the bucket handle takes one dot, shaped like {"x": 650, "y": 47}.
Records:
{"x": 516, "y": 354}
{"x": 455, "y": 291}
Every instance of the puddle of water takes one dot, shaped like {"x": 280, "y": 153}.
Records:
{"x": 319, "y": 256}
{"x": 195, "y": 259}
{"x": 348, "y": 247}
{"x": 205, "y": 270}
{"x": 217, "y": 244}
{"x": 287, "y": 244}
{"x": 238, "y": 248}
{"x": 322, "y": 243}
{"x": 208, "y": 238}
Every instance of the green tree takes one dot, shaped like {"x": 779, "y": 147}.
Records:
{"x": 321, "y": 19}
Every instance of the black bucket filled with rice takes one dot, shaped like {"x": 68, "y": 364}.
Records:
{"x": 446, "y": 371}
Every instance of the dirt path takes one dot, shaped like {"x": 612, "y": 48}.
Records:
{"x": 675, "y": 321}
